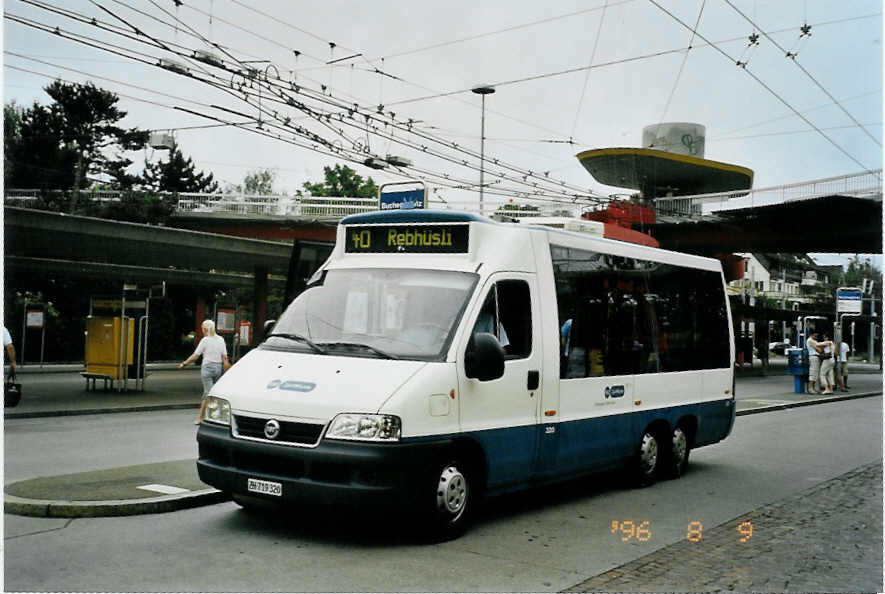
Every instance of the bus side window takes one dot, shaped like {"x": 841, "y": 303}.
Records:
{"x": 507, "y": 314}
{"x": 515, "y": 314}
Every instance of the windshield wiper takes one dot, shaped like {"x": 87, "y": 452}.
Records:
{"x": 299, "y": 338}
{"x": 378, "y": 352}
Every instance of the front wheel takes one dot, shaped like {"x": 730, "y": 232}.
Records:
{"x": 452, "y": 500}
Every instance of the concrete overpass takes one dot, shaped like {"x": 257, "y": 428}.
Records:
{"x": 55, "y": 244}
{"x": 837, "y": 214}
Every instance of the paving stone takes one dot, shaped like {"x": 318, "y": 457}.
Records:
{"x": 825, "y": 539}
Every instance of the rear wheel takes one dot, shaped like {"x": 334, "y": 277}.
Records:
{"x": 647, "y": 461}
{"x": 678, "y": 454}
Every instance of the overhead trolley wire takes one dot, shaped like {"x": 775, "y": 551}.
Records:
{"x": 790, "y": 115}
{"x": 792, "y": 57}
{"x": 587, "y": 77}
{"x": 525, "y": 173}
{"x": 707, "y": 43}
{"x": 766, "y": 87}
{"x": 505, "y": 30}
{"x": 681, "y": 67}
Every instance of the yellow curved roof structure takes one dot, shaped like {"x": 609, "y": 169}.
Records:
{"x": 659, "y": 173}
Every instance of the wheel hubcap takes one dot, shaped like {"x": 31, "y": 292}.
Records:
{"x": 451, "y": 493}
{"x": 648, "y": 454}
{"x": 680, "y": 445}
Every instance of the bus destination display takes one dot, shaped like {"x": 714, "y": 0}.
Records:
{"x": 408, "y": 239}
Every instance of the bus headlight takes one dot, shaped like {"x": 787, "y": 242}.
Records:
{"x": 216, "y": 410}
{"x": 365, "y": 427}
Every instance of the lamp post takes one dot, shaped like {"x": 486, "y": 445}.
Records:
{"x": 483, "y": 91}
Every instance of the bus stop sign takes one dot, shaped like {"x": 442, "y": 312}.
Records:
{"x": 404, "y": 200}
{"x": 848, "y": 300}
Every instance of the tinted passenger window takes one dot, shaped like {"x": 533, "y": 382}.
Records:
{"x": 622, "y": 315}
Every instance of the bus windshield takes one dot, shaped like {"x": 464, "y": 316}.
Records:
{"x": 388, "y": 313}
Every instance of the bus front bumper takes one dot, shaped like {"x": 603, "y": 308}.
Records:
{"x": 334, "y": 472}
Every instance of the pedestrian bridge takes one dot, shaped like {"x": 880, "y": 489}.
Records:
{"x": 835, "y": 214}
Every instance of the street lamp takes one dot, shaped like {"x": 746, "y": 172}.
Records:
{"x": 483, "y": 91}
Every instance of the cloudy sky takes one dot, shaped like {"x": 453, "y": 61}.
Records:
{"x": 569, "y": 75}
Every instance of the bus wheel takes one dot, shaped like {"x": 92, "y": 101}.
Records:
{"x": 679, "y": 451}
{"x": 452, "y": 500}
{"x": 647, "y": 460}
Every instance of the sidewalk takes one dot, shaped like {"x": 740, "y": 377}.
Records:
{"x": 174, "y": 485}
{"x": 779, "y": 550}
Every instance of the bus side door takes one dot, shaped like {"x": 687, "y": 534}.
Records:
{"x": 502, "y": 414}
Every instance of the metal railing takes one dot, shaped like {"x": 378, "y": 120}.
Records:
{"x": 865, "y": 185}
{"x": 861, "y": 185}
{"x": 319, "y": 207}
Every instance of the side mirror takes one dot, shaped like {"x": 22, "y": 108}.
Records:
{"x": 484, "y": 359}
{"x": 268, "y": 326}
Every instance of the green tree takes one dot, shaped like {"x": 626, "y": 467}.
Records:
{"x": 859, "y": 269}
{"x": 177, "y": 174}
{"x": 260, "y": 182}
{"x": 34, "y": 155}
{"x": 76, "y": 136}
{"x": 12, "y": 132}
{"x": 341, "y": 180}
{"x": 87, "y": 117}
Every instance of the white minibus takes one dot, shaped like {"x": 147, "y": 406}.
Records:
{"x": 440, "y": 357}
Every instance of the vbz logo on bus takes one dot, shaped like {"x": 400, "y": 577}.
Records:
{"x": 614, "y": 391}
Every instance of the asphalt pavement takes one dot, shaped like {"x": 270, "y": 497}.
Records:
{"x": 166, "y": 486}
{"x": 59, "y": 390}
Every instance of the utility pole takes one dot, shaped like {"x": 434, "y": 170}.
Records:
{"x": 482, "y": 91}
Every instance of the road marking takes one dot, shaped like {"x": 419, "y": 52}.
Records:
{"x": 764, "y": 402}
{"x": 165, "y": 489}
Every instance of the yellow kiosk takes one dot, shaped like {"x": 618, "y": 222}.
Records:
{"x": 110, "y": 345}
{"x": 111, "y": 338}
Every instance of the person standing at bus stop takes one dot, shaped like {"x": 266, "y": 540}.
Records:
{"x": 842, "y": 366}
{"x": 214, "y": 351}
{"x": 814, "y": 351}
{"x": 827, "y": 365}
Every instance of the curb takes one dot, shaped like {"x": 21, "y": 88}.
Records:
{"x": 97, "y": 411}
{"x": 785, "y": 406}
{"x": 80, "y": 367}
{"x": 42, "y": 508}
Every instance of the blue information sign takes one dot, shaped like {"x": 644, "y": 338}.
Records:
{"x": 849, "y": 300}
{"x": 402, "y": 200}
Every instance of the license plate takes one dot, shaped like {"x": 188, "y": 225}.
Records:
{"x": 264, "y": 487}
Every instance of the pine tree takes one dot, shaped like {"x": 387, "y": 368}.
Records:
{"x": 77, "y": 136}
{"x": 177, "y": 174}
